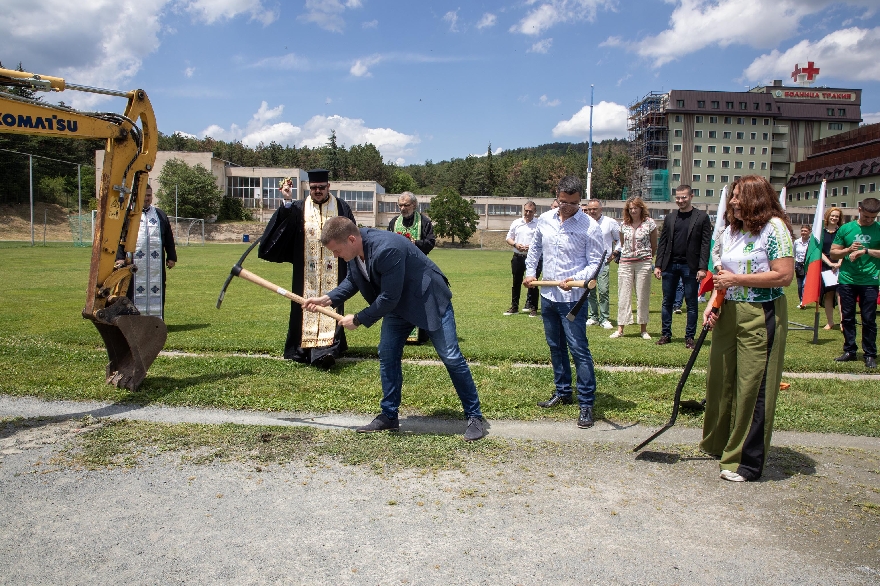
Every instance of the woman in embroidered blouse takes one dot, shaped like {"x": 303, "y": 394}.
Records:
{"x": 828, "y": 295}
{"x": 748, "y": 337}
{"x": 638, "y": 237}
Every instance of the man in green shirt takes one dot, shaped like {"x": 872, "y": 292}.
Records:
{"x": 858, "y": 244}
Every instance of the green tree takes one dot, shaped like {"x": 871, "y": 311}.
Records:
{"x": 197, "y": 193}
{"x": 232, "y": 210}
{"x": 332, "y": 158}
{"x": 401, "y": 181}
{"x": 453, "y": 215}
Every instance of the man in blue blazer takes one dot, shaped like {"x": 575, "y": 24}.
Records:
{"x": 404, "y": 289}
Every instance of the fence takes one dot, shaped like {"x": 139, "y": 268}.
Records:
{"x": 187, "y": 231}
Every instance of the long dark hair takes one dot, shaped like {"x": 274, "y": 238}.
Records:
{"x": 758, "y": 203}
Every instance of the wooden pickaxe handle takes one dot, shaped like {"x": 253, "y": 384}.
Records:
{"x": 258, "y": 280}
{"x": 579, "y": 284}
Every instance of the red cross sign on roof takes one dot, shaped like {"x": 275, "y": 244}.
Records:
{"x": 807, "y": 73}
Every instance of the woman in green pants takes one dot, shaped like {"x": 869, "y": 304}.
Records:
{"x": 748, "y": 337}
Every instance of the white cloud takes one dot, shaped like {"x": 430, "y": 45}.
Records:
{"x": 291, "y": 61}
{"x": 452, "y": 18}
{"x": 870, "y": 117}
{"x": 265, "y": 126}
{"x": 541, "y": 46}
{"x": 623, "y": 79}
{"x": 361, "y": 67}
{"x": 185, "y": 134}
{"x": 609, "y": 121}
{"x": 543, "y": 101}
{"x": 189, "y": 71}
{"x": 327, "y": 14}
{"x": 849, "y": 54}
{"x": 370, "y": 24}
{"x": 487, "y": 20}
{"x": 553, "y": 12}
{"x": 212, "y": 11}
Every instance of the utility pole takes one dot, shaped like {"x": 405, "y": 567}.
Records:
{"x": 31, "y": 177}
{"x": 80, "y": 200}
{"x": 590, "y": 149}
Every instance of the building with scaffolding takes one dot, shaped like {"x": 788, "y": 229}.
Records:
{"x": 708, "y": 139}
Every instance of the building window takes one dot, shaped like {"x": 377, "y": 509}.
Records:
{"x": 701, "y": 104}
{"x": 698, "y": 134}
{"x": 845, "y": 190}
{"x": 751, "y": 150}
{"x": 728, "y": 120}
{"x": 504, "y": 210}
{"x": 835, "y": 126}
{"x": 712, "y": 148}
{"x": 737, "y": 164}
{"x": 807, "y": 195}
{"x": 768, "y": 106}
{"x": 698, "y": 119}
{"x": 799, "y": 197}
{"x": 740, "y": 120}
{"x": 841, "y": 112}
{"x": 737, "y": 177}
{"x": 816, "y": 194}
{"x": 697, "y": 191}
{"x": 710, "y": 163}
{"x": 247, "y": 189}
{"x": 698, "y": 148}
{"x": 698, "y": 162}
{"x": 725, "y": 178}
{"x": 743, "y": 106}
{"x": 676, "y": 176}
{"x": 740, "y": 136}
{"x": 765, "y": 136}
{"x": 738, "y": 150}
{"x": 872, "y": 187}
{"x": 676, "y": 148}
{"x": 271, "y": 195}
{"x": 756, "y": 106}
{"x": 725, "y": 150}
{"x": 751, "y": 164}
{"x": 763, "y": 165}
{"x": 830, "y": 111}
{"x": 713, "y": 119}
{"x": 677, "y": 133}
{"x": 710, "y": 193}
{"x": 728, "y": 105}
{"x": 725, "y": 164}
{"x": 696, "y": 179}
{"x": 678, "y": 117}
{"x": 727, "y": 134}
{"x": 679, "y": 103}
{"x": 833, "y": 192}
{"x": 710, "y": 178}
{"x": 764, "y": 151}
{"x": 676, "y": 162}
{"x": 360, "y": 201}
{"x": 862, "y": 188}
{"x": 753, "y": 135}
{"x": 713, "y": 134}
{"x": 716, "y": 105}
{"x": 843, "y": 204}
{"x": 767, "y": 120}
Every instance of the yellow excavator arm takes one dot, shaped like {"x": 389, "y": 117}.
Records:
{"x": 133, "y": 341}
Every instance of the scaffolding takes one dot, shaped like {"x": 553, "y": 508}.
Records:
{"x": 649, "y": 145}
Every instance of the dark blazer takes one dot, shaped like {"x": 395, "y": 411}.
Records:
{"x": 403, "y": 281}
{"x": 698, "y": 242}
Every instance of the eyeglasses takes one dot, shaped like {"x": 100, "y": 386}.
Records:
{"x": 561, "y": 203}
{"x": 318, "y": 187}
{"x": 404, "y": 205}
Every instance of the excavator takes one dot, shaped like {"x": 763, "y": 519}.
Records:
{"x": 133, "y": 341}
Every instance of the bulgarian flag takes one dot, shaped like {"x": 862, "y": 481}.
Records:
{"x": 813, "y": 260}
{"x": 715, "y": 263}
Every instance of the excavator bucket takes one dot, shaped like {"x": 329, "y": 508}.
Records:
{"x": 133, "y": 342}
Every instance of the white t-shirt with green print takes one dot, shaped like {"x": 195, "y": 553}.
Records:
{"x": 748, "y": 254}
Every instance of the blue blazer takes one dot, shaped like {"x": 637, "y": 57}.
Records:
{"x": 403, "y": 282}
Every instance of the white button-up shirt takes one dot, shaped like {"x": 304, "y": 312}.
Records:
{"x": 521, "y": 232}
{"x": 572, "y": 248}
{"x": 610, "y": 232}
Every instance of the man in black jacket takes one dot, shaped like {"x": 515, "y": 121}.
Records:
{"x": 682, "y": 253}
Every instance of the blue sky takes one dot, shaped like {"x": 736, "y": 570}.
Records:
{"x": 430, "y": 80}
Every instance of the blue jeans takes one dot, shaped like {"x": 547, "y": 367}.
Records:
{"x": 395, "y": 330}
{"x": 565, "y": 336}
{"x": 599, "y": 310}
{"x": 867, "y": 301}
{"x": 670, "y": 277}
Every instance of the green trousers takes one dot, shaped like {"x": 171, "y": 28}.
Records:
{"x": 745, "y": 369}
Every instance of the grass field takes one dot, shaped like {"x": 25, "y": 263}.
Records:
{"x": 48, "y": 350}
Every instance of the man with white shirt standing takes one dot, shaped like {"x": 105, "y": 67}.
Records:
{"x": 570, "y": 244}
{"x": 520, "y": 235}
{"x": 598, "y": 310}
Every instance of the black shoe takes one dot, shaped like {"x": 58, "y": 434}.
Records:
{"x": 846, "y": 357}
{"x": 474, "y": 429}
{"x": 870, "y": 362}
{"x": 554, "y": 401}
{"x": 380, "y": 423}
{"x": 585, "y": 421}
{"x": 689, "y": 343}
{"x": 512, "y": 311}
{"x": 663, "y": 340}
{"x": 325, "y": 362}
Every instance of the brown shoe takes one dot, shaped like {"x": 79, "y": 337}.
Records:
{"x": 663, "y": 340}
{"x": 690, "y": 344}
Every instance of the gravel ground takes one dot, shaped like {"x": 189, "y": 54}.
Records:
{"x": 579, "y": 508}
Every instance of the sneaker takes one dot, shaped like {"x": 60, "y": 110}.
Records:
{"x": 870, "y": 362}
{"x": 380, "y": 423}
{"x": 646, "y": 336}
{"x": 690, "y": 344}
{"x": 663, "y": 340}
{"x": 533, "y": 313}
{"x": 527, "y": 308}
{"x": 676, "y": 311}
{"x": 592, "y": 322}
{"x": 474, "y": 429}
{"x": 585, "y": 421}
{"x": 513, "y": 310}
{"x": 732, "y": 476}
{"x": 607, "y": 325}
{"x": 616, "y": 334}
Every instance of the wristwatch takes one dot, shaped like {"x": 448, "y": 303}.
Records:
{"x": 356, "y": 321}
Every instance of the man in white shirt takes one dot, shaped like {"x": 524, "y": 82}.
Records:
{"x": 520, "y": 235}
{"x": 598, "y": 311}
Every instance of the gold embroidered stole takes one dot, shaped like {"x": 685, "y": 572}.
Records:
{"x": 321, "y": 273}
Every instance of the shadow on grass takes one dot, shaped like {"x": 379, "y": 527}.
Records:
{"x": 187, "y": 327}
{"x": 156, "y": 387}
